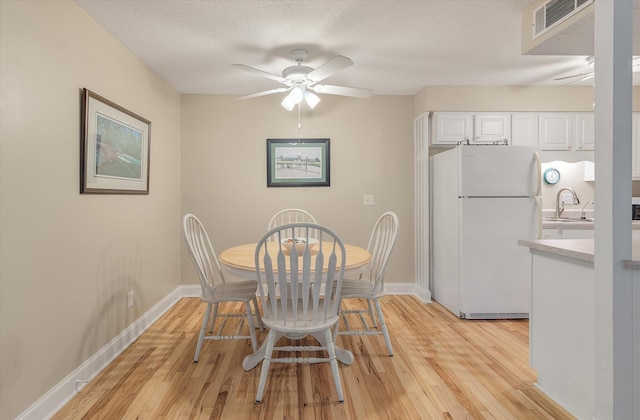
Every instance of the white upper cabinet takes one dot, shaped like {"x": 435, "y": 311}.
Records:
{"x": 524, "y": 129}
{"x": 585, "y": 131}
{"x": 556, "y": 130}
{"x": 553, "y": 131}
{"x": 450, "y": 128}
{"x": 489, "y": 128}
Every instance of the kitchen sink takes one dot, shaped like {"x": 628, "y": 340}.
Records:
{"x": 566, "y": 219}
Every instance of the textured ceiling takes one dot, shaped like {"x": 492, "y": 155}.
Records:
{"x": 398, "y": 47}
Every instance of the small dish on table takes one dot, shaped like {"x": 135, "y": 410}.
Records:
{"x": 300, "y": 243}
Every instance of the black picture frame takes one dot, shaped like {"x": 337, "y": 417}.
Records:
{"x": 298, "y": 162}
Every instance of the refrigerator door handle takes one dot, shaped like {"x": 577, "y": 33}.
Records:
{"x": 538, "y": 190}
{"x": 539, "y": 206}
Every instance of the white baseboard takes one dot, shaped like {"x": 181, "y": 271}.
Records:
{"x": 408, "y": 289}
{"x": 59, "y": 395}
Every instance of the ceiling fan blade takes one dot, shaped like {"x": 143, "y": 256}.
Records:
{"x": 582, "y": 79}
{"x": 343, "y": 90}
{"x": 590, "y": 74}
{"x": 263, "y": 93}
{"x": 330, "y": 68}
{"x": 258, "y": 72}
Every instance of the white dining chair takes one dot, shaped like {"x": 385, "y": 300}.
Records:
{"x": 215, "y": 290}
{"x": 292, "y": 215}
{"x": 370, "y": 285}
{"x": 300, "y": 297}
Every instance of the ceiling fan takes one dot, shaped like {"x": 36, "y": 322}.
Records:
{"x": 301, "y": 81}
{"x": 580, "y": 77}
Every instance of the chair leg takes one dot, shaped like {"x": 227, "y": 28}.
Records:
{"x": 383, "y": 327}
{"x": 334, "y": 363}
{"x": 258, "y": 317}
{"x": 337, "y": 326}
{"x": 373, "y": 314}
{"x": 252, "y": 331}
{"x": 213, "y": 318}
{"x": 203, "y": 330}
{"x": 271, "y": 339}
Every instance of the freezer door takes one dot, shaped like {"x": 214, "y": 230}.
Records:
{"x": 498, "y": 171}
{"x": 495, "y": 272}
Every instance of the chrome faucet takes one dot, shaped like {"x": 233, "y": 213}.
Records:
{"x": 560, "y": 203}
{"x": 583, "y": 215}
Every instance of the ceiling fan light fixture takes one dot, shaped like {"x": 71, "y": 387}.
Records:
{"x": 297, "y": 94}
{"x": 311, "y": 98}
{"x": 294, "y": 98}
{"x": 288, "y": 103}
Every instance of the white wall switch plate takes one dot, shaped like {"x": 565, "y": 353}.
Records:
{"x": 567, "y": 198}
{"x": 130, "y": 299}
{"x": 368, "y": 200}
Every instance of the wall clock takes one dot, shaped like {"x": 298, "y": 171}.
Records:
{"x": 551, "y": 176}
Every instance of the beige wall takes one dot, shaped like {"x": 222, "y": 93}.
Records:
{"x": 68, "y": 260}
{"x": 224, "y": 168}
{"x": 509, "y": 98}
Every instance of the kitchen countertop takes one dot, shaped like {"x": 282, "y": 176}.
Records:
{"x": 577, "y": 224}
{"x": 569, "y": 224}
{"x": 579, "y": 249}
{"x": 571, "y": 220}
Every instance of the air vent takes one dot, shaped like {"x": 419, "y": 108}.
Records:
{"x": 554, "y": 12}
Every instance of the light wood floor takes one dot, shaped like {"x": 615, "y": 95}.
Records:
{"x": 443, "y": 368}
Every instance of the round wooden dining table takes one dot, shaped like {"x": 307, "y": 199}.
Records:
{"x": 239, "y": 261}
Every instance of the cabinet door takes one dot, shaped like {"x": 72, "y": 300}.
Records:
{"x": 585, "y": 131}
{"x": 577, "y": 234}
{"x": 556, "y": 130}
{"x": 452, "y": 127}
{"x": 635, "y": 144}
{"x": 489, "y": 128}
{"x": 524, "y": 129}
{"x": 551, "y": 234}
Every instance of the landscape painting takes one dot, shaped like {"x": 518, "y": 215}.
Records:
{"x": 297, "y": 162}
{"x": 114, "y": 148}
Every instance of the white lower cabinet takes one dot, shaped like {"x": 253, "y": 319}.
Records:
{"x": 567, "y": 233}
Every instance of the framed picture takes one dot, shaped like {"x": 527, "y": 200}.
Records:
{"x": 114, "y": 148}
{"x": 298, "y": 163}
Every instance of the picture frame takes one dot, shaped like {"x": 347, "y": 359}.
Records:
{"x": 298, "y": 163}
{"x": 114, "y": 148}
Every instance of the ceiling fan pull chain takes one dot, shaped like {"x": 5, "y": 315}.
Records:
{"x": 299, "y": 125}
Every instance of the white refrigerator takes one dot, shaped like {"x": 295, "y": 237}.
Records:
{"x": 484, "y": 199}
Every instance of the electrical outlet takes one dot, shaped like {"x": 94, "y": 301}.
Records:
{"x": 130, "y": 299}
{"x": 567, "y": 198}
{"x": 368, "y": 200}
